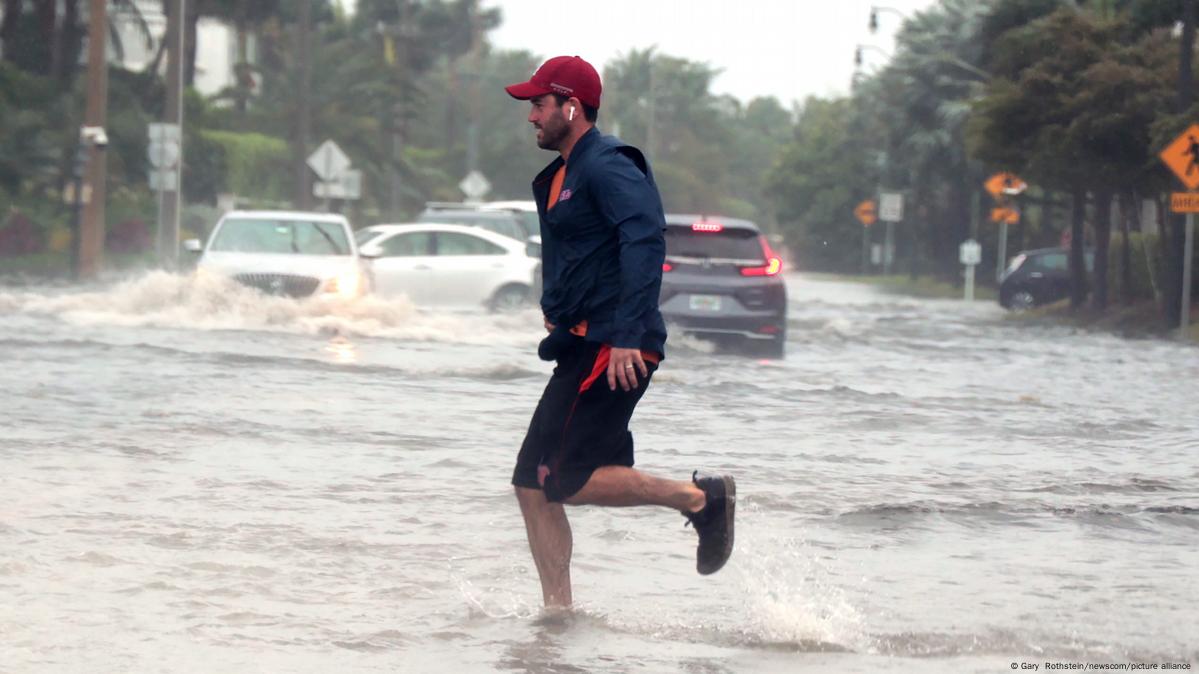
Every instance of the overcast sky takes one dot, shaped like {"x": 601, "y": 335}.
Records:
{"x": 785, "y": 48}
{"x": 789, "y": 49}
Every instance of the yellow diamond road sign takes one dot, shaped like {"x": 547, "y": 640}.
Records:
{"x": 1182, "y": 156}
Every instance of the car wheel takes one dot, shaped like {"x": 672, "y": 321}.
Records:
{"x": 510, "y": 298}
{"x": 1022, "y": 300}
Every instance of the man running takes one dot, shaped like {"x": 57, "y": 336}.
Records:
{"x": 602, "y": 251}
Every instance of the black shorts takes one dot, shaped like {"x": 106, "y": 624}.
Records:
{"x": 580, "y": 424}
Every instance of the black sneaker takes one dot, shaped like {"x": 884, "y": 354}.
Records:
{"x": 714, "y": 523}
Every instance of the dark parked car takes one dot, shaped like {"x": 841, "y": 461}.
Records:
{"x": 1036, "y": 277}
{"x": 722, "y": 280}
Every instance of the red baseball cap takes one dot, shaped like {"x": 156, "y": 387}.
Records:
{"x": 566, "y": 75}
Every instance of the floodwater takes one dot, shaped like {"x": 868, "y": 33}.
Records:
{"x": 195, "y": 478}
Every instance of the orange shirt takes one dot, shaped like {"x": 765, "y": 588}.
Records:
{"x": 556, "y": 187}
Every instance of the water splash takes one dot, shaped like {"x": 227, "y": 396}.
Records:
{"x": 789, "y": 597}
{"x": 209, "y": 302}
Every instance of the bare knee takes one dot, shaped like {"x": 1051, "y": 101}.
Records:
{"x": 530, "y": 498}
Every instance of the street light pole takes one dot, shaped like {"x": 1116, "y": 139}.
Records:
{"x": 875, "y": 9}
{"x": 857, "y": 54}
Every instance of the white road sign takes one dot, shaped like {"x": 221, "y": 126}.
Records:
{"x": 890, "y": 207}
{"x": 164, "y": 132}
{"x": 475, "y": 185}
{"x": 970, "y": 253}
{"x": 163, "y": 154}
{"x": 348, "y": 185}
{"x": 328, "y": 161}
{"x": 163, "y": 180}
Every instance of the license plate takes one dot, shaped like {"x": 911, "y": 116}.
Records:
{"x": 705, "y": 302}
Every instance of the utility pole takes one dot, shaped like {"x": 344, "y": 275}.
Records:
{"x": 91, "y": 235}
{"x": 395, "y": 199}
{"x": 472, "y": 129}
{"x": 172, "y": 199}
{"x": 302, "y": 193}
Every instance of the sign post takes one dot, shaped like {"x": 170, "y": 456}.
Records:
{"x": 867, "y": 214}
{"x": 1182, "y": 156}
{"x": 163, "y": 153}
{"x": 1002, "y": 185}
{"x": 970, "y": 254}
{"x": 1004, "y": 215}
{"x": 890, "y": 212}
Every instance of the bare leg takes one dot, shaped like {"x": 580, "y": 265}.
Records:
{"x": 551, "y": 542}
{"x": 620, "y": 486}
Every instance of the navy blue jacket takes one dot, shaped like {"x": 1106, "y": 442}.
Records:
{"x": 602, "y": 245}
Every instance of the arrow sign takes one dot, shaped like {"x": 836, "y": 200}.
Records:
{"x": 1006, "y": 215}
{"x": 866, "y": 212}
{"x": 1005, "y": 183}
{"x": 328, "y": 161}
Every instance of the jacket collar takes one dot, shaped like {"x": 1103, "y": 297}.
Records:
{"x": 584, "y": 143}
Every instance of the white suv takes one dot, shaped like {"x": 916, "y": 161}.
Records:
{"x": 290, "y": 253}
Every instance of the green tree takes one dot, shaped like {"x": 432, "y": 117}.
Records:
{"x": 1023, "y": 121}
{"x": 817, "y": 182}
{"x": 1072, "y": 108}
{"x": 710, "y": 154}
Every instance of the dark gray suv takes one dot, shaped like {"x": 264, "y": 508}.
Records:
{"x": 722, "y": 281}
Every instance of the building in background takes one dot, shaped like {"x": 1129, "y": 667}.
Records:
{"x": 216, "y": 46}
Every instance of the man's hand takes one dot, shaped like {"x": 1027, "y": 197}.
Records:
{"x": 623, "y": 366}
{"x": 549, "y": 327}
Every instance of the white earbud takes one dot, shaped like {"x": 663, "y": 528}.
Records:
{"x": 572, "y": 114}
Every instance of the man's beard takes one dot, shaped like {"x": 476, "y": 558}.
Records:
{"x": 553, "y": 133}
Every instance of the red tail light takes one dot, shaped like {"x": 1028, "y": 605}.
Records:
{"x": 774, "y": 264}
{"x": 707, "y": 227}
{"x": 666, "y": 266}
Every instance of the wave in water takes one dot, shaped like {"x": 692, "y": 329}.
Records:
{"x": 1091, "y": 513}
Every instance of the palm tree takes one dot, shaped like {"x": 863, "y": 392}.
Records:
{"x": 45, "y": 37}
{"x": 924, "y": 100}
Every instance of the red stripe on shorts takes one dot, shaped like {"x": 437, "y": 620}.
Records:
{"x": 600, "y": 367}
